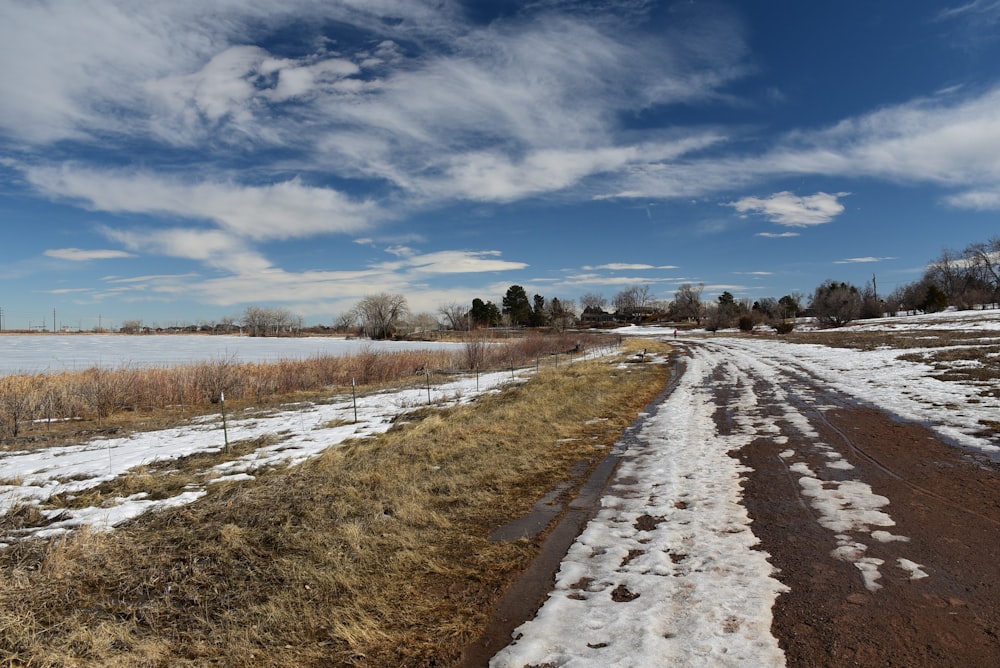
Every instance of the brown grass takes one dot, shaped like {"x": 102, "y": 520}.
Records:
{"x": 375, "y": 554}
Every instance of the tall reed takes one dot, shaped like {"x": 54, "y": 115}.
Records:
{"x": 35, "y": 401}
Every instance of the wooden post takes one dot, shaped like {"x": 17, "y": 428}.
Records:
{"x": 225, "y": 428}
{"x": 354, "y": 395}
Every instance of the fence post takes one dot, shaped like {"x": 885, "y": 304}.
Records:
{"x": 225, "y": 427}
{"x": 354, "y": 397}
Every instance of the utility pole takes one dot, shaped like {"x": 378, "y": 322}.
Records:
{"x": 54, "y": 328}
{"x": 874, "y": 286}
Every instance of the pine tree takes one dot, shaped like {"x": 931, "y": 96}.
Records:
{"x": 516, "y": 306}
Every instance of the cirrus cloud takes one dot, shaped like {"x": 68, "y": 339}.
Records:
{"x": 84, "y": 255}
{"x": 863, "y": 260}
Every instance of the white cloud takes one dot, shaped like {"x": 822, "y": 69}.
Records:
{"x": 777, "y": 235}
{"x": 516, "y": 108}
{"x": 624, "y": 266}
{"x": 461, "y": 262}
{"x": 618, "y": 266}
{"x": 977, "y": 200}
{"x": 448, "y": 262}
{"x": 951, "y": 139}
{"x": 66, "y": 65}
{"x": 513, "y": 109}
{"x": 281, "y": 210}
{"x": 212, "y": 247}
{"x": 789, "y": 209}
{"x": 863, "y": 260}
{"x": 576, "y": 280}
{"x": 84, "y": 255}
{"x": 314, "y": 292}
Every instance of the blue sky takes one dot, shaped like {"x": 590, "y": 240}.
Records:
{"x": 179, "y": 161}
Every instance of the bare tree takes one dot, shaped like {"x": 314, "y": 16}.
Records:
{"x": 18, "y": 402}
{"x": 687, "y": 302}
{"x": 593, "y": 302}
{"x": 871, "y": 304}
{"x": 561, "y": 314}
{"x": 767, "y": 310}
{"x": 950, "y": 273}
{"x": 346, "y": 321}
{"x": 456, "y": 315}
{"x": 260, "y": 321}
{"x": 984, "y": 262}
{"x": 131, "y": 327}
{"x": 227, "y": 323}
{"x": 424, "y": 322}
{"x": 380, "y": 314}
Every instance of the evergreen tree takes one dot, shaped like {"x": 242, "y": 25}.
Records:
{"x": 484, "y": 314}
{"x": 538, "y": 315}
{"x": 516, "y": 306}
{"x": 790, "y": 306}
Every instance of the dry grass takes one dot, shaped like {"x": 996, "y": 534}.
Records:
{"x": 374, "y": 554}
{"x": 911, "y": 338}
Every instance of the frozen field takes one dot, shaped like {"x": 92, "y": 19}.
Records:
{"x": 73, "y": 352}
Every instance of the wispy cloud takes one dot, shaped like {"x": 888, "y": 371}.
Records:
{"x": 624, "y": 266}
{"x": 863, "y": 260}
{"x": 777, "y": 235}
{"x": 281, "y": 210}
{"x": 975, "y": 10}
{"x": 977, "y": 200}
{"x": 789, "y": 209}
{"x": 314, "y": 292}
{"x": 262, "y": 145}
{"x": 83, "y": 255}
{"x": 207, "y": 141}
{"x": 951, "y": 140}
{"x": 450, "y": 262}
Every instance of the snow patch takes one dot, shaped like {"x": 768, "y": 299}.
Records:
{"x": 914, "y": 569}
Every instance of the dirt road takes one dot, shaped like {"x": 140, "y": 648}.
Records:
{"x": 945, "y": 503}
{"x": 886, "y": 537}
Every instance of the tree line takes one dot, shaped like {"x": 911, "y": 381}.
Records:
{"x": 961, "y": 279}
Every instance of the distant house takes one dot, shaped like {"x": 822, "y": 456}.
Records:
{"x": 639, "y": 314}
{"x": 594, "y": 317}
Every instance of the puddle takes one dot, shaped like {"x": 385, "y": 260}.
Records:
{"x": 535, "y": 522}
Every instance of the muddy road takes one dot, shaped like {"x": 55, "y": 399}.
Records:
{"x": 882, "y": 540}
{"x": 887, "y": 537}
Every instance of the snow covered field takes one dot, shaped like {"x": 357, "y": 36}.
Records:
{"x": 73, "y": 352}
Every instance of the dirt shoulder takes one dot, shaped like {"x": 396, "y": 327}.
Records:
{"x": 944, "y": 501}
